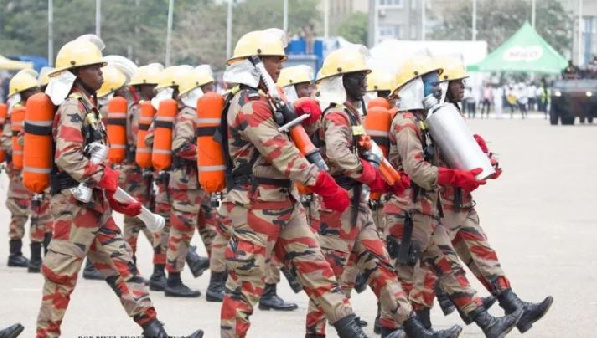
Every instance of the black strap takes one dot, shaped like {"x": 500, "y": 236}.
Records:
{"x": 206, "y": 131}
{"x": 117, "y": 121}
{"x": 143, "y": 126}
{"x": 37, "y": 130}
{"x": 405, "y": 244}
{"x": 163, "y": 124}
{"x": 457, "y": 199}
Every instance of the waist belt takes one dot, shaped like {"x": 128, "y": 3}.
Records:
{"x": 61, "y": 181}
{"x": 251, "y": 179}
{"x": 346, "y": 182}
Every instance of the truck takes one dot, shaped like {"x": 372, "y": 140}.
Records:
{"x": 573, "y": 99}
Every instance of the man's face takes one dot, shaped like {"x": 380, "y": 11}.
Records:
{"x": 303, "y": 89}
{"x": 456, "y": 90}
{"x": 146, "y": 91}
{"x": 431, "y": 81}
{"x": 208, "y": 88}
{"x": 273, "y": 64}
{"x": 91, "y": 76}
{"x": 355, "y": 85}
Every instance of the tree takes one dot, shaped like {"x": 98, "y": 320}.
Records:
{"x": 498, "y": 20}
{"x": 354, "y": 28}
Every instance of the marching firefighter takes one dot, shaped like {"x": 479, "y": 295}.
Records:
{"x": 82, "y": 188}
{"x": 416, "y": 237}
{"x": 20, "y": 201}
{"x": 470, "y": 241}
{"x": 352, "y": 162}
{"x": 262, "y": 203}
{"x": 191, "y": 207}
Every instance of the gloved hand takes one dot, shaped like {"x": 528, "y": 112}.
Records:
{"x": 481, "y": 142}
{"x": 379, "y": 185}
{"x": 464, "y": 179}
{"x": 310, "y": 106}
{"x": 401, "y": 185}
{"x": 369, "y": 173}
{"x": 334, "y": 196}
{"x": 129, "y": 209}
{"x": 188, "y": 152}
{"x": 109, "y": 181}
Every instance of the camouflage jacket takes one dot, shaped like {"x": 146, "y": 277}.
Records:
{"x": 184, "y": 173}
{"x": 409, "y": 154}
{"x": 253, "y": 137}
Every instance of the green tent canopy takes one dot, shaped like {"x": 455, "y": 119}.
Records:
{"x": 525, "y": 51}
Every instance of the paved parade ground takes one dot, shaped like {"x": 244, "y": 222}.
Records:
{"x": 540, "y": 216}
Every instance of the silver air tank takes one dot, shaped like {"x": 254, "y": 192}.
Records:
{"x": 456, "y": 142}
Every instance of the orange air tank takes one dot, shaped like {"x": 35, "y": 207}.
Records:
{"x": 115, "y": 127}
{"x": 17, "y": 115}
{"x": 2, "y": 122}
{"x": 163, "y": 124}
{"x": 210, "y": 159}
{"x": 37, "y": 148}
{"x": 143, "y": 154}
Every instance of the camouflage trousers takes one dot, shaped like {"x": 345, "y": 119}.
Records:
{"x": 436, "y": 252}
{"x": 190, "y": 210}
{"x": 22, "y": 204}
{"x": 162, "y": 206}
{"x": 80, "y": 232}
{"x": 280, "y": 229}
{"x": 473, "y": 248}
{"x": 352, "y": 237}
{"x": 136, "y": 185}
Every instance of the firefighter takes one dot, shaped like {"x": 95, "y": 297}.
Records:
{"x": 262, "y": 204}
{"x": 86, "y": 227}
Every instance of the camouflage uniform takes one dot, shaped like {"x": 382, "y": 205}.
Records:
{"x": 190, "y": 205}
{"x": 82, "y": 230}
{"x": 411, "y": 151}
{"x": 20, "y": 201}
{"x": 266, "y": 216}
{"x": 353, "y": 235}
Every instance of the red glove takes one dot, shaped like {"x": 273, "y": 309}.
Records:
{"x": 482, "y": 143}
{"x": 496, "y": 166}
{"x": 188, "y": 152}
{"x": 379, "y": 185}
{"x": 401, "y": 185}
{"x": 128, "y": 209}
{"x": 464, "y": 179}
{"x": 334, "y": 196}
{"x": 369, "y": 173}
{"x": 310, "y": 106}
{"x": 109, "y": 181}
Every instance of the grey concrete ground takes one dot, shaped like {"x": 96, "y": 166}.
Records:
{"x": 540, "y": 216}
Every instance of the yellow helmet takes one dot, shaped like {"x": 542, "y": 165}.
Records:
{"x": 196, "y": 78}
{"x": 269, "y": 42}
{"x": 380, "y": 80}
{"x": 293, "y": 75}
{"x": 415, "y": 66}
{"x": 44, "y": 76}
{"x": 23, "y": 80}
{"x": 453, "y": 69}
{"x": 113, "y": 80}
{"x": 77, "y": 53}
{"x": 149, "y": 74}
{"x": 344, "y": 60}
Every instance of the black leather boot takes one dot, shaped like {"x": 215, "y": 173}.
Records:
{"x": 413, "y": 328}
{"x": 495, "y": 327}
{"x": 270, "y": 300}
{"x": 443, "y": 300}
{"x": 488, "y": 302}
{"x": 377, "y": 325}
{"x": 12, "y": 331}
{"x": 35, "y": 264}
{"x": 158, "y": 280}
{"x": 16, "y": 257}
{"x": 197, "y": 334}
{"x": 198, "y": 264}
{"x": 216, "y": 288}
{"x": 424, "y": 317}
{"x": 532, "y": 312}
{"x": 154, "y": 329}
{"x": 361, "y": 283}
{"x": 390, "y": 333}
{"x": 294, "y": 284}
{"x": 176, "y": 288}
{"x": 347, "y": 328}
{"x": 90, "y": 272}
{"x": 46, "y": 242}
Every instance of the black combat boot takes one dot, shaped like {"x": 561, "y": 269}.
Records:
{"x": 443, "y": 300}
{"x": 495, "y": 327}
{"x": 90, "y": 272}
{"x": 216, "y": 288}
{"x": 360, "y": 322}
{"x": 532, "y": 312}
{"x": 314, "y": 335}
{"x": 198, "y": 264}
{"x": 35, "y": 264}
{"x": 377, "y": 325}
{"x": 361, "y": 283}
{"x": 16, "y": 257}
{"x": 12, "y": 331}
{"x": 158, "y": 280}
{"x": 154, "y": 329}
{"x": 176, "y": 288}
{"x": 197, "y": 334}
{"x": 391, "y": 333}
{"x": 294, "y": 284}
{"x": 270, "y": 300}
{"x": 488, "y": 301}
{"x": 46, "y": 242}
{"x": 347, "y": 328}
{"x": 413, "y": 328}
{"x": 424, "y": 317}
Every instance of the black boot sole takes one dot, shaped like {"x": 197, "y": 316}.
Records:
{"x": 34, "y": 269}
{"x": 268, "y": 308}
{"x": 18, "y": 265}
{"x": 213, "y": 299}
{"x": 506, "y": 331}
{"x": 16, "y": 332}
{"x": 179, "y": 295}
{"x": 154, "y": 287}
{"x": 526, "y": 322}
